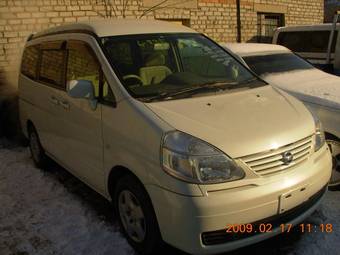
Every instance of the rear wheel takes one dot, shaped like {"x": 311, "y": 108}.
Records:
{"x": 37, "y": 151}
{"x": 334, "y": 146}
{"x": 136, "y": 216}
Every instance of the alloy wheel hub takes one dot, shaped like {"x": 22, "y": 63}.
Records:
{"x": 132, "y": 216}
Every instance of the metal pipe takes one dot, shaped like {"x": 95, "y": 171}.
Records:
{"x": 330, "y": 40}
{"x": 238, "y": 17}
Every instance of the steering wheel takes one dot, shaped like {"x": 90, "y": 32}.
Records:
{"x": 133, "y": 78}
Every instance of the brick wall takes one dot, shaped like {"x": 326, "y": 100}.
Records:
{"x": 216, "y": 18}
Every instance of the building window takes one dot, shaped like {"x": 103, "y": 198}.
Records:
{"x": 266, "y": 25}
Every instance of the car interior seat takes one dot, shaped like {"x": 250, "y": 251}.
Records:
{"x": 154, "y": 70}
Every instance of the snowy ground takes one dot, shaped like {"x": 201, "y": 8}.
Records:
{"x": 52, "y": 212}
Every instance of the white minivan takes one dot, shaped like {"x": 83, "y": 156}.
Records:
{"x": 189, "y": 145}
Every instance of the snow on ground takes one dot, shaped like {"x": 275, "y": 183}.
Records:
{"x": 39, "y": 215}
{"x": 51, "y": 212}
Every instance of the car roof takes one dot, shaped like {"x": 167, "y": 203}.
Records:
{"x": 313, "y": 27}
{"x": 251, "y": 49}
{"x": 115, "y": 27}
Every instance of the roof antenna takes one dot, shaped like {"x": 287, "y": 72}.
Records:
{"x": 152, "y": 8}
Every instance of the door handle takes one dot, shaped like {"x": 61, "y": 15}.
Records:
{"x": 54, "y": 100}
{"x": 65, "y": 104}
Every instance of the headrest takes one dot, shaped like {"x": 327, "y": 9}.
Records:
{"x": 155, "y": 59}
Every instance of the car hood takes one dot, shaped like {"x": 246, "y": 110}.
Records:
{"x": 312, "y": 86}
{"x": 240, "y": 123}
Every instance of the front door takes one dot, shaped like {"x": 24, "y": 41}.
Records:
{"x": 81, "y": 128}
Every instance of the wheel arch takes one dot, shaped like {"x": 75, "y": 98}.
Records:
{"x": 330, "y": 136}
{"x": 116, "y": 173}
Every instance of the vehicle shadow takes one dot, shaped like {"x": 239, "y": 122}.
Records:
{"x": 279, "y": 245}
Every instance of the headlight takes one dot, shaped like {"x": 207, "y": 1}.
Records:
{"x": 195, "y": 161}
{"x": 319, "y": 135}
{"x": 319, "y": 132}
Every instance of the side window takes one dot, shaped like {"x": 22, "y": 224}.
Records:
{"x": 83, "y": 65}
{"x": 307, "y": 41}
{"x": 52, "y": 67}
{"x": 30, "y": 61}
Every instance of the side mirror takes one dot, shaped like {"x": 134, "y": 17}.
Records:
{"x": 82, "y": 89}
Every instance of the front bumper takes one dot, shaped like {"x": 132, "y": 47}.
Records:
{"x": 190, "y": 223}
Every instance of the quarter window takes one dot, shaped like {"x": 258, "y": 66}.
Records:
{"x": 52, "y": 67}
{"x": 30, "y": 62}
{"x": 108, "y": 96}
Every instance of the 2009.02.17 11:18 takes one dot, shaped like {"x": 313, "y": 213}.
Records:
{"x": 285, "y": 228}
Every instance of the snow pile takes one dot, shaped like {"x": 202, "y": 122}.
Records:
{"x": 44, "y": 213}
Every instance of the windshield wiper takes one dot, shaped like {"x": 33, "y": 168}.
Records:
{"x": 250, "y": 80}
{"x": 192, "y": 90}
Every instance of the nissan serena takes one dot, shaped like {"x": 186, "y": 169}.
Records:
{"x": 175, "y": 131}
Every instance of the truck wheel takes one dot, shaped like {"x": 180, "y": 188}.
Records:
{"x": 136, "y": 216}
{"x": 334, "y": 146}
{"x": 37, "y": 151}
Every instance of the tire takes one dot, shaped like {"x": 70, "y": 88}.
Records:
{"x": 136, "y": 216}
{"x": 334, "y": 146}
{"x": 38, "y": 154}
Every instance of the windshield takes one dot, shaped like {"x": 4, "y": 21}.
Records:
{"x": 152, "y": 65}
{"x": 276, "y": 63}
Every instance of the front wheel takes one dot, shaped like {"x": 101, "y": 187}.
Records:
{"x": 334, "y": 146}
{"x": 137, "y": 218}
{"x": 37, "y": 151}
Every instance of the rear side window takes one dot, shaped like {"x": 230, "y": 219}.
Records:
{"x": 30, "y": 60}
{"x": 52, "y": 67}
{"x": 307, "y": 41}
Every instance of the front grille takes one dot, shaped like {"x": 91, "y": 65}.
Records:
{"x": 221, "y": 236}
{"x": 271, "y": 162}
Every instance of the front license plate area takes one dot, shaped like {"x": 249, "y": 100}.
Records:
{"x": 292, "y": 199}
